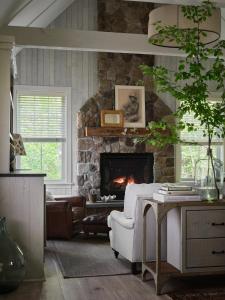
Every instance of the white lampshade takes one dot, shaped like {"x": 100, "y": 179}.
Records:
{"x": 171, "y": 15}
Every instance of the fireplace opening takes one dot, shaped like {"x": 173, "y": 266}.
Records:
{"x": 119, "y": 169}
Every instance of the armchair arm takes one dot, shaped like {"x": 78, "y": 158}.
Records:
{"x": 59, "y": 219}
{"x": 119, "y": 217}
{"x": 77, "y": 201}
{"x": 78, "y": 204}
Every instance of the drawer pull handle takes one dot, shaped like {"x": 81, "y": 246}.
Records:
{"x": 218, "y": 252}
{"x": 218, "y": 224}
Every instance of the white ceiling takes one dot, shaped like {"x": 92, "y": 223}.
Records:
{"x": 31, "y": 13}
{"x": 8, "y": 8}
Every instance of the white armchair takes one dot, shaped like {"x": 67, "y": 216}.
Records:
{"x": 126, "y": 227}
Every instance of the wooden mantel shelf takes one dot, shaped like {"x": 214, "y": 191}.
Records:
{"x": 114, "y": 132}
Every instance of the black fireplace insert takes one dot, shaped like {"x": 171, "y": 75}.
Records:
{"x": 119, "y": 169}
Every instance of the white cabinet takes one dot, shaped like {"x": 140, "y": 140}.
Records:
{"x": 196, "y": 238}
{"x": 22, "y": 203}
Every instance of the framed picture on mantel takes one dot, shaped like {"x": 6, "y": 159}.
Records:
{"x": 131, "y": 99}
{"x": 112, "y": 118}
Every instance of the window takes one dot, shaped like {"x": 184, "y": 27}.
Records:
{"x": 42, "y": 118}
{"x": 187, "y": 155}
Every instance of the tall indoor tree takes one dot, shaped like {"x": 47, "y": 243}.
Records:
{"x": 190, "y": 84}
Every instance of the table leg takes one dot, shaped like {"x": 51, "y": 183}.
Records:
{"x": 158, "y": 255}
{"x": 144, "y": 271}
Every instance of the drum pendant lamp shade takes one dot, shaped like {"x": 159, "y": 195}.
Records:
{"x": 171, "y": 15}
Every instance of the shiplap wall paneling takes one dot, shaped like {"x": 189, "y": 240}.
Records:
{"x": 75, "y": 69}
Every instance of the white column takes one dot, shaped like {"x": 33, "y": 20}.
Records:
{"x": 6, "y": 44}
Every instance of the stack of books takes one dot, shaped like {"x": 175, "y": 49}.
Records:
{"x": 172, "y": 192}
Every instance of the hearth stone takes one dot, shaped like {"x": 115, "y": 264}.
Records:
{"x": 80, "y": 180}
{"x": 82, "y": 168}
{"x": 95, "y": 179}
{"x": 81, "y": 157}
{"x": 115, "y": 147}
{"x": 85, "y": 144}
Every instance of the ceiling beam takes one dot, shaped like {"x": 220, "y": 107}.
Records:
{"x": 81, "y": 40}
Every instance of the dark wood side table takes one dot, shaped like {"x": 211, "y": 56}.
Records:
{"x": 103, "y": 207}
{"x": 162, "y": 270}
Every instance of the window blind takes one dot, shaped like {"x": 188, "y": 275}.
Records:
{"x": 41, "y": 116}
{"x": 195, "y": 136}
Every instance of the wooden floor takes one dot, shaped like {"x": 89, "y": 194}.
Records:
{"x": 124, "y": 287}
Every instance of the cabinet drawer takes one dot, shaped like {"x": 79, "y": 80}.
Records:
{"x": 205, "y": 253}
{"x": 205, "y": 223}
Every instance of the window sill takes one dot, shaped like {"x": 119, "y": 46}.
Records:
{"x": 51, "y": 184}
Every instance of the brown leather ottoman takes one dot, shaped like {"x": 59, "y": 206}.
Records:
{"x": 96, "y": 223}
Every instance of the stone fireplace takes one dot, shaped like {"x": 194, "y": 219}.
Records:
{"x": 119, "y": 69}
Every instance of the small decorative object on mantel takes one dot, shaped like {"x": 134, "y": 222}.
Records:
{"x": 92, "y": 196}
{"x": 131, "y": 99}
{"x": 108, "y": 198}
{"x": 112, "y": 118}
{"x": 12, "y": 265}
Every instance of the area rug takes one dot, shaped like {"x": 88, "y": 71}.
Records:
{"x": 200, "y": 288}
{"x": 88, "y": 257}
{"x": 213, "y": 294}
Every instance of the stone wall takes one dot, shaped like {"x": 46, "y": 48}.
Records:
{"x": 123, "y": 16}
{"x": 119, "y": 69}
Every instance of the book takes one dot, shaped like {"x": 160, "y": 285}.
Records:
{"x": 175, "y": 187}
{"x": 178, "y": 198}
{"x": 178, "y": 193}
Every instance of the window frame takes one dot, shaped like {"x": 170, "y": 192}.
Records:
{"x": 67, "y": 152}
{"x": 214, "y": 97}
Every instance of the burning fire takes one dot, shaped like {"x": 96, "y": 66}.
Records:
{"x": 120, "y": 180}
{"x": 130, "y": 180}
{"x": 124, "y": 180}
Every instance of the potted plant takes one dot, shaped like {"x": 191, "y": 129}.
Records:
{"x": 190, "y": 87}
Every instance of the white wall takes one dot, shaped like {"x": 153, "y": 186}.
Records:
{"x": 171, "y": 64}
{"x": 74, "y": 69}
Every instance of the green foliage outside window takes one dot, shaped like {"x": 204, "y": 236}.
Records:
{"x": 44, "y": 157}
{"x": 190, "y": 154}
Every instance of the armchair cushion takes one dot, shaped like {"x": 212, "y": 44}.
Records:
{"x": 131, "y": 193}
{"x": 120, "y": 218}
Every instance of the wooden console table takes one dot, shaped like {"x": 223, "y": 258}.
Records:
{"x": 196, "y": 222}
